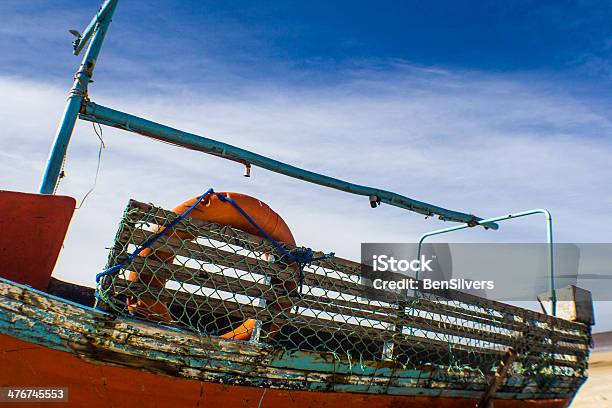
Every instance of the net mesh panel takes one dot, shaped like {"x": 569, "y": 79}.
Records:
{"x": 213, "y": 278}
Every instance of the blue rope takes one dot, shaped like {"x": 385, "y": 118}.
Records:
{"x": 153, "y": 239}
{"x": 303, "y": 256}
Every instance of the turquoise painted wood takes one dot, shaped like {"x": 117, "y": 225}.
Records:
{"x": 46, "y": 320}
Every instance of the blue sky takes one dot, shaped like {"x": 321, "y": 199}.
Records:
{"x": 484, "y": 107}
{"x": 308, "y": 41}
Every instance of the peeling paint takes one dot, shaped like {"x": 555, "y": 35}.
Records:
{"x": 101, "y": 338}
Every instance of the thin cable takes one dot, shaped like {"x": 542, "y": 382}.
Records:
{"x": 102, "y": 146}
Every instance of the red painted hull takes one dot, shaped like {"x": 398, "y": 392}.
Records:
{"x": 33, "y": 229}
{"x": 100, "y": 385}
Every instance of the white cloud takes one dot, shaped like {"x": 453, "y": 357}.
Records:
{"x": 463, "y": 141}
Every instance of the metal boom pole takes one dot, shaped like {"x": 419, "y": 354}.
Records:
{"x": 111, "y": 117}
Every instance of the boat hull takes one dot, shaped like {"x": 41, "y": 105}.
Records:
{"x": 106, "y": 360}
{"x": 26, "y": 364}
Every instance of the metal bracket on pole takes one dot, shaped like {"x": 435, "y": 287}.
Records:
{"x": 83, "y": 38}
{"x": 549, "y": 237}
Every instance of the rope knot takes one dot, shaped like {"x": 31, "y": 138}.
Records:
{"x": 302, "y": 256}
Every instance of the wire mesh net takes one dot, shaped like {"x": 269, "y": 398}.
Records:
{"x": 215, "y": 280}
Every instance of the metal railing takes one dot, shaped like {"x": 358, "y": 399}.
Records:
{"x": 549, "y": 238}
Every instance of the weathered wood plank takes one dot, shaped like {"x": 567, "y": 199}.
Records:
{"x": 108, "y": 338}
{"x": 192, "y": 276}
{"x": 205, "y": 303}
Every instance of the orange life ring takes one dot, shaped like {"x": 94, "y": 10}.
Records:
{"x": 212, "y": 209}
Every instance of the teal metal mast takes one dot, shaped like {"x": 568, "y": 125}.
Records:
{"x": 96, "y": 30}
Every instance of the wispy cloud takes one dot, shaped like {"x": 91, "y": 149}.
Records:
{"x": 468, "y": 141}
